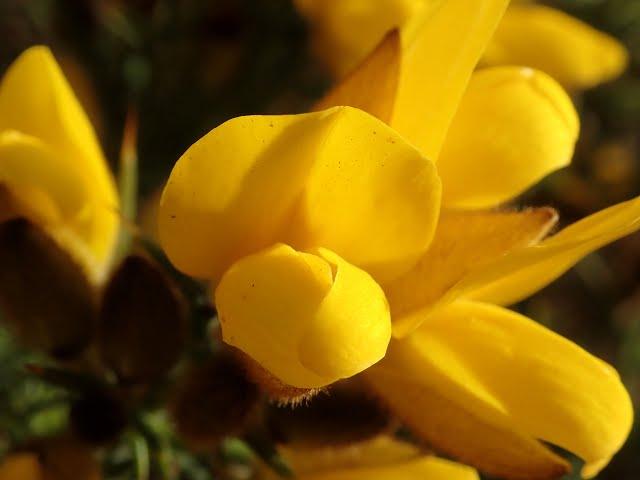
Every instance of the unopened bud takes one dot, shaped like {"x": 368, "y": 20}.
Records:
{"x": 345, "y": 414}
{"x": 142, "y": 324}
{"x": 45, "y": 296}
{"x": 211, "y": 401}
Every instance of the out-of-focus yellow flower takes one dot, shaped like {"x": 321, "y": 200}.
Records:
{"x": 380, "y": 458}
{"x": 51, "y": 165}
{"x": 571, "y": 51}
{"x": 295, "y": 210}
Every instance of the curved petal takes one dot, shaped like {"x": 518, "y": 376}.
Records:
{"x": 255, "y": 181}
{"x": 345, "y": 32}
{"x": 511, "y": 372}
{"x": 380, "y": 458}
{"x": 37, "y": 101}
{"x": 513, "y": 127}
{"x": 464, "y": 241}
{"x": 522, "y": 272}
{"x": 308, "y": 319}
{"x": 571, "y": 51}
{"x": 370, "y": 197}
{"x": 373, "y": 84}
{"x": 441, "y": 51}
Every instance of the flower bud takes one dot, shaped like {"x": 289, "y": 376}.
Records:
{"x": 212, "y": 400}
{"x": 343, "y": 415}
{"x": 45, "y": 296}
{"x": 142, "y": 323}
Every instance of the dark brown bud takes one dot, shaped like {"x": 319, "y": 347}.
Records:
{"x": 98, "y": 416}
{"x": 212, "y": 400}
{"x": 45, "y": 296}
{"x": 344, "y": 414}
{"x": 142, "y": 325}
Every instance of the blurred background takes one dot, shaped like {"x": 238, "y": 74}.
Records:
{"x": 186, "y": 66}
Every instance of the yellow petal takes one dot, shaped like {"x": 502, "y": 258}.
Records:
{"x": 380, "y": 458}
{"x": 522, "y": 272}
{"x": 372, "y": 86}
{"x": 255, "y": 181}
{"x": 427, "y": 467}
{"x": 464, "y": 241}
{"x": 514, "y": 126}
{"x": 345, "y": 32}
{"x": 308, "y": 319}
{"x": 370, "y": 197}
{"x": 511, "y": 372}
{"x": 572, "y": 52}
{"x": 36, "y": 100}
{"x": 441, "y": 51}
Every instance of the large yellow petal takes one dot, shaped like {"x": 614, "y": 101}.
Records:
{"x": 370, "y": 197}
{"x": 36, "y": 100}
{"x": 441, "y": 51}
{"x": 372, "y": 86}
{"x": 255, "y": 181}
{"x": 24, "y": 466}
{"x": 308, "y": 319}
{"x": 345, "y": 32}
{"x": 464, "y": 241}
{"x": 508, "y": 372}
{"x": 380, "y": 458}
{"x": 522, "y": 272}
{"x": 513, "y": 126}
{"x": 572, "y": 52}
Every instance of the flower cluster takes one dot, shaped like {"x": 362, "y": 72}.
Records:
{"x": 359, "y": 258}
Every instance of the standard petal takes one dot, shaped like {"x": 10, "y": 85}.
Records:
{"x": 372, "y": 86}
{"x": 255, "y": 181}
{"x": 37, "y": 101}
{"x": 380, "y": 458}
{"x": 571, "y": 51}
{"x": 345, "y": 32}
{"x": 308, "y": 319}
{"x": 513, "y": 127}
{"x": 441, "y": 51}
{"x": 370, "y": 197}
{"x": 463, "y": 241}
{"x": 510, "y": 372}
{"x": 523, "y": 272}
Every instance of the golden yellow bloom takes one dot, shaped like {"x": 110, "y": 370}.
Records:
{"x": 314, "y": 222}
{"x": 571, "y": 51}
{"x": 51, "y": 165}
{"x": 380, "y": 458}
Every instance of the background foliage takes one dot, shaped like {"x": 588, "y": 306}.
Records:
{"x": 188, "y": 65}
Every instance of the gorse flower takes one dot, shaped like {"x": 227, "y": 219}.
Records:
{"x": 325, "y": 232}
{"x": 537, "y": 36}
{"x": 52, "y": 170}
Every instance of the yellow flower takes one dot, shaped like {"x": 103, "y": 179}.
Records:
{"x": 572, "y": 52}
{"x": 319, "y": 230}
{"x": 52, "y": 170}
{"x": 380, "y": 458}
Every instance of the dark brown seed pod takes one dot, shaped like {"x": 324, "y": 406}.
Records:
{"x": 45, "y": 296}
{"x": 212, "y": 400}
{"x": 142, "y": 326}
{"x": 345, "y": 414}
